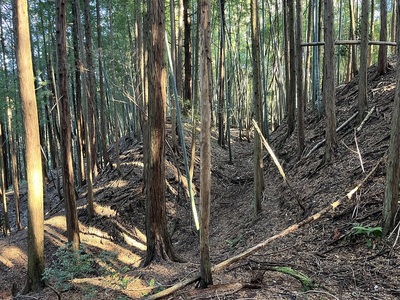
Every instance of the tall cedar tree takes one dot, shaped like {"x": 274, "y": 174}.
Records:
{"x": 382, "y": 53}
{"x": 205, "y": 146}
{"x": 158, "y": 241}
{"x": 65, "y": 122}
{"x": 291, "y": 93}
{"x": 299, "y": 80}
{"x": 329, "y": 82}
{"x": 362, "y": 84}
{"x": 390, "y": 203}
{"x": 257, "y": 107}
{"x": 32, "y": 150}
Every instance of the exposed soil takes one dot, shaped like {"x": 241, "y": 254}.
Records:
{"x": 340, "y": 263}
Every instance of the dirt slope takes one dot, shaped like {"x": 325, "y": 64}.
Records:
{"x": 341, "y": 264}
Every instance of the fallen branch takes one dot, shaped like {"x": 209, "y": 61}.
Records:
{"x": 293, "y": 228}
{"x": 278, "y": 165}
{"x": 319, "y": 144}
{"x": 365, "y": 119}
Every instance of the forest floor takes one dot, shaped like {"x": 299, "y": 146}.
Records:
{"x": 341, "y": 260}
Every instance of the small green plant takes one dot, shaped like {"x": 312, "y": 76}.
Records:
{"x": 370, "y": 233}
{"x": 68, "y": 265}
{"x": 235, "y": 241}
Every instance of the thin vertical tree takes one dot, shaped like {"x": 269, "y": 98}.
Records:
{"x": 221, "y": 90}
{"x": 390, "y": 202}
{"x": 158, "y": 240}
{"x": 32, "y": 149}
{"x": 362, "y": 84}
{"x": 14, "y": 166}
{"x": 382, "y": 53}
{"x": 65, "y": 123}
{"x": 90, "y": 90}
{"x": 187, "y": 85}
{"x": 80, "y": 131}
{"x": 329, "y": 81}
{"x": 90, "y": 138}
{"x": 291, "y": 93}
{"x": 205, "y": 146}
{"x": 103, "y": 123}
{"x": 3, "y": 184}
{"x": 299, "y": 80}
{"x": 257, "y": 107}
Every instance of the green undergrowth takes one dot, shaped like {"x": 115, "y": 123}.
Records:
{"x": 68, "y": 265}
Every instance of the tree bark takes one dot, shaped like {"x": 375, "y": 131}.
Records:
{"x": 221, "y": 90}
{"x": 65, "y": 122}
{"x": 390, "y": 202}
{"x": 158, "y": 242}
{"x": 329, "y": 82}
{"x": 362, "y": 84}
{"x": 299, "y": 81}
{"x": 32, "y": 150}
{"x": 257, "y": 107}
{"x": 205, "y": 142}
{"x": 291, "y": 94}
{"x": 103, "y": 123}
{"x": 382, "y": 54}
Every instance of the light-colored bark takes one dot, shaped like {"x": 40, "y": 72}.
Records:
{"x": 32, "y": 150}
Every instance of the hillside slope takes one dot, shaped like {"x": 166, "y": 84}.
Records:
{"x": 341, "y": 263}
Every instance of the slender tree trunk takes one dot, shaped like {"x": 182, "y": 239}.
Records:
{"x": 174, "y": 127}
{"x": 187, "y": 89}
{"x": 116, "y": 122}
{"x": 362, "y": 85}
{"x": 371, "y": 32}
{"x": 32, "y": 150}
{"x": 329, "y": 82}
{"x": 3, "y": 184}
{"x": 78, "y": 93}
{"x": 91, "y": 94}
{"x": 90, "y": 140}
{"x": 390, "y": 202}
{"x": 101, "y": 88}
{"x": 66, "y": 141}
{"x": 257, "y": 107}
{"x": 205, "y": 145}
{"x": 299, "y": 80}
{"x": 291, "y": 99}
{"x": 221, "y": 91}
{"x": 353, "y": 54}
{"x": 382, "y": 54}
